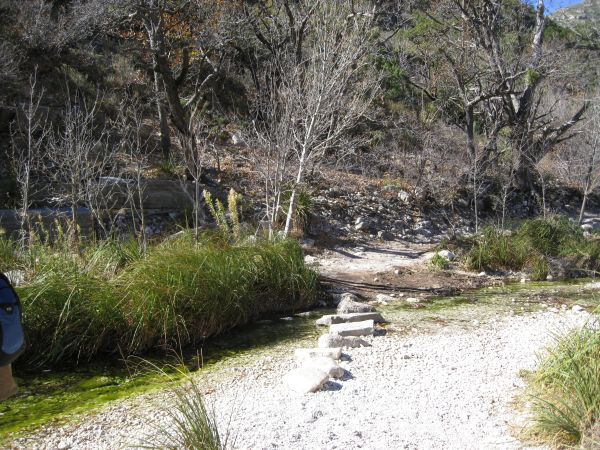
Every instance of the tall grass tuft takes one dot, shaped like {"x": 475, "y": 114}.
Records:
{"x": 566, "y": 390}
{"x": 69, "y": 314}
{"x": 116, "y": 297}
{"x": 183, "y": 292}
{"x": 189, "y": 423}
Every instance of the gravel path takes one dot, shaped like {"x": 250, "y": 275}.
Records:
{"x": 449, "y": 389}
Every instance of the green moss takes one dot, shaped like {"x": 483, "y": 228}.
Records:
{"x": 63, "y": 396}
{"x": 57, "y": 397}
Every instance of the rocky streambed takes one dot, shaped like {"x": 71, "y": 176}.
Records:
{"x": 442, "y": 373}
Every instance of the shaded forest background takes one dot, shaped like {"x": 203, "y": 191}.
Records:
{"x": 473, "y": 101}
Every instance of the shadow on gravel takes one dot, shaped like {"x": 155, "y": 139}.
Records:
{"x": 332, "y": 386}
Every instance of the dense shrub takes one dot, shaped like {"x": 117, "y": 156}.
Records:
{"x": 114, "y": 297}
{"x": 532, "y": 246}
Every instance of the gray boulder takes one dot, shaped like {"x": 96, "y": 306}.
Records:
{"x": 350, "y": 305}
{"x": 352, "y": 317}
{"x": 364, "y": 328}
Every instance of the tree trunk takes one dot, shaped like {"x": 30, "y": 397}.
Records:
{"x": 582, "y": 210}
{"x": 165, "y": 132}
{"x": 293, "y": 196}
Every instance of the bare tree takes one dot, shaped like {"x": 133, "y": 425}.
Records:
{"x": 137, "y": 149}
{"x": 498, "y": 82}
{"x": 53, "y": 26}
{"x": 29, "y": 133}
{"x": 323, "y": 86}
{"x": 195, "y": 145}
{"x": 172, "y": 57}
{"x": 592, "y": 170}
{"x": 83, "y": 164}
{"x": 579, "y": 162}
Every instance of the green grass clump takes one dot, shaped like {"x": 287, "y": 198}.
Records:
{"x": 439, "y": 262}
{"x": 69, "y": 314}
{"x": 566, "y": 391}
{"x": 191, "y": 423}
{"x": 531, "y": 246}
{"x": 115, "y": 297}
{"x": 8, "y": 257}
{"x": 183, "y": 292}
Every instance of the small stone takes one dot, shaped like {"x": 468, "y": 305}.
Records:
{"x": 307, "y": 353}
{"x": 384, "y": 299}
{"x": 577, "y": 308}
{"x": 309, "y": 259}
{"x": 424, "y": 232}
{"x": 306, "y": 379}
{"x": 481, "y": 274}
{"x": 330, "y": 340}
{"x": 412, "y": 300}
{"x": 549, "y": 278}
{"x": 447, "y": 255}
{"x": 385, "y": 235}
{"x": 353, "y": 329}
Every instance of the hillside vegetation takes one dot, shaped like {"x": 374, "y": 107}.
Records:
{"x": 489, "y": 102}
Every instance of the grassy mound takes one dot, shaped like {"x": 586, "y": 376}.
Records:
{"x": 566, "y": 391}
{"x": 116, "y": 298}
{"x": 534, "y": 247}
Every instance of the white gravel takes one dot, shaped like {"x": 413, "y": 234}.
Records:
{"x": 450, "y": 389}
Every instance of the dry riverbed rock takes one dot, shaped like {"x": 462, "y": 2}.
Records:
{"x": 353, "y": 317}
{"x": 364, "y": 328}
{"x": 335, "y": 340}
{"x": 307, "y": 353}
{"x": 327, "y": 365}
{"x": 349, "y": 304}
{"x": 306, "y": 379}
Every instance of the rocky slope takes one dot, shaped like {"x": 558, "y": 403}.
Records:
{"x": 586, "y": 12}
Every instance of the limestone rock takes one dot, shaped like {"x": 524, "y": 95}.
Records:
{"x": 330, "y": 340}
{"x": 350, "y": 305}
{"x": 447, "y": 255}
{"x": 384, "y": 299}
{"x": 364, "y": 328}
{"x": 307, "y": 353}
{"x": 327, "y": 365}
{"x": 385, "y": 235}
{"x": 306, "y": 379}
{"x": 352, "y": 317}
